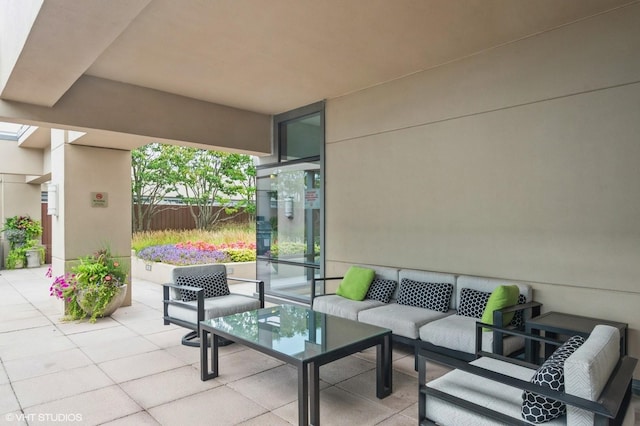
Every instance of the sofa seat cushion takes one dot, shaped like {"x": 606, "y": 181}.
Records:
{"x": 487, "y": 393}
{"x": 215, "y": 307}
{"x": 339, "y": 306}
{"x": 458, "y": 332}
{"x": 403, "y": 320}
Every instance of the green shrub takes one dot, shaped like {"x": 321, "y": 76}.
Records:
{"x": 240, "y": 255}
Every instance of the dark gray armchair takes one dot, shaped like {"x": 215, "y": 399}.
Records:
{"x": 200, "y": 292}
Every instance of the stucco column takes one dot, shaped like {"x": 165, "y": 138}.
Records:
{"x": 94, "y": 203}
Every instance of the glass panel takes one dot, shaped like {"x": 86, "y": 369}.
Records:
{"x": 301, "y": 137}
{"x": 288, "y": 228}
{"x": 295, "y": 331}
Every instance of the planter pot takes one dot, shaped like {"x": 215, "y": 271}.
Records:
{"x": 33, "y": 259}
{"x": 111, "y": 306}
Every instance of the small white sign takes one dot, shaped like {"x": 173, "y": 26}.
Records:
{"x": 99, "y": 199}
{"x": 312, "y": 198}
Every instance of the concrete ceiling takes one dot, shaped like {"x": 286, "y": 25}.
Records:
{"x": 261, "y": 56}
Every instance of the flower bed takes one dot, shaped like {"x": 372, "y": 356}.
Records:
{"x": 155, "y": 263}
{"x": 199, "y": 253}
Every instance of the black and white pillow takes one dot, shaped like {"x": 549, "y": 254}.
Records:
{"x": 434, "y": 296}
{"x": 214, "y": 285}
{"x": 518, "y": 318}
{"x": 381, "y": 289}
{"x": 472, "y": 302}
{"x": 537, "y": 408}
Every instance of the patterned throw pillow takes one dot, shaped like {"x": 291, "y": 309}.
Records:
{"x": 434, "y": 296}
{"x": 214, "y": 285}
{"x": 537, "y": 408}
{"x": 518, "y": 318}
{"x": 472, "y": 302}
{"x": 381, "y": 289}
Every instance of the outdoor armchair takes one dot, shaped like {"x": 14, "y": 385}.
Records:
{"x": 200, "y": 292}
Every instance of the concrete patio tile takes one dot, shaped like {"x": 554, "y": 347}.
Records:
{"x": 398, "y": 420}
{"x": 406, "y": 365}
{"x": 411, "y": 412}
{"x": 4, "y": 379}
{"x": 344, "y": 369}
{"x": 138, "y": 419}
{"x": 8, "y": 401}
{"x": 170, "y": 337}
{"x": 136, "y": 313}
{"x": 41, "y": 389}
{"x": 338, "y": 407}
{"x": 241, "y": 364}
{"x": 148, "y": 326}
{"x": 280, "y": 383}
{"x": 33, "y": 366}
{"x": 83, "y": 326}
{"x": 167, "y": 386}
{"x": 33, "y": 342}
{"x": 404, "y": 389}
{"x": 22, "y": 323}
{"x": 87, "y": 408}
{"x": 94, "y": 337}
{"x": 265, "y": 419}
{"x": 136, "y": 366}
{"x": 220, "y": 406}
{"x": 188, "y": 354}
{"x": 118, "y": 348}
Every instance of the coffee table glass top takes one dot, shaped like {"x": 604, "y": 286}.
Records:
{"x": 294, "y": 330}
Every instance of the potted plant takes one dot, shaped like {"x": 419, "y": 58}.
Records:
{"x": 96, "y": 287}
{"x": 22, "y": 232}
{"x": 16, "y": 259}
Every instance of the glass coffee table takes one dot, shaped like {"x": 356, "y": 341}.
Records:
{"x": 303, "y": 338}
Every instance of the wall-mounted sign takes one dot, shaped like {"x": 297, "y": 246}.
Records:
{"x": 312, "y": 199}
{"x": 99, "y": 199}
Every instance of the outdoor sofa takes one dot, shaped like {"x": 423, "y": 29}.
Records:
{"x": 447, "y": 323}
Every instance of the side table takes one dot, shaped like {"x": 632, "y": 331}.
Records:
{"x": 555, "y": 324}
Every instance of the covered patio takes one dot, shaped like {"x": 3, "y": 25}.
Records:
{"x": 131, "y": 369}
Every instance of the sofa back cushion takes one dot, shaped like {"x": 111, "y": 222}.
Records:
{"x": 589, "y": 368}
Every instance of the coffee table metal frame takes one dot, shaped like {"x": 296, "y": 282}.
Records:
{"x": 308, "y": 368}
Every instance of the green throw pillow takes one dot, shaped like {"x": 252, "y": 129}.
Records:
{"x": 355, "y": 283}
{"x": 502, "y": 296}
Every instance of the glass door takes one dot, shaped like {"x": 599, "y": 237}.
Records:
{"x": 289, "y": 231}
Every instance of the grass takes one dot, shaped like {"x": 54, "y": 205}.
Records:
{"x": 227, "y": 234}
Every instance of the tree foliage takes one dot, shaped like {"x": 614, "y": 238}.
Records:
{"x": 152, "y": 179}
{"x": 209, "y": 182}
{"x": 213, "y": 183}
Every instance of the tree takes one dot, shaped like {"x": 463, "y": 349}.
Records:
{"x": 212, "y": 183}
{"x": 153, "y": 170}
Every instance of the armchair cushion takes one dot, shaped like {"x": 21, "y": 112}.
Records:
{"x": 213, "y": 285}
{"x": 537, "y": 408}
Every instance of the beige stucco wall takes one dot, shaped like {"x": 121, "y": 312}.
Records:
{"x": 81, "y": 229}
{"x": 520, "y": 162}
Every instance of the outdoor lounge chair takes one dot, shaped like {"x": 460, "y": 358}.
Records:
{"x": 200, "y": 292}
{"x": 590, "y": 381}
